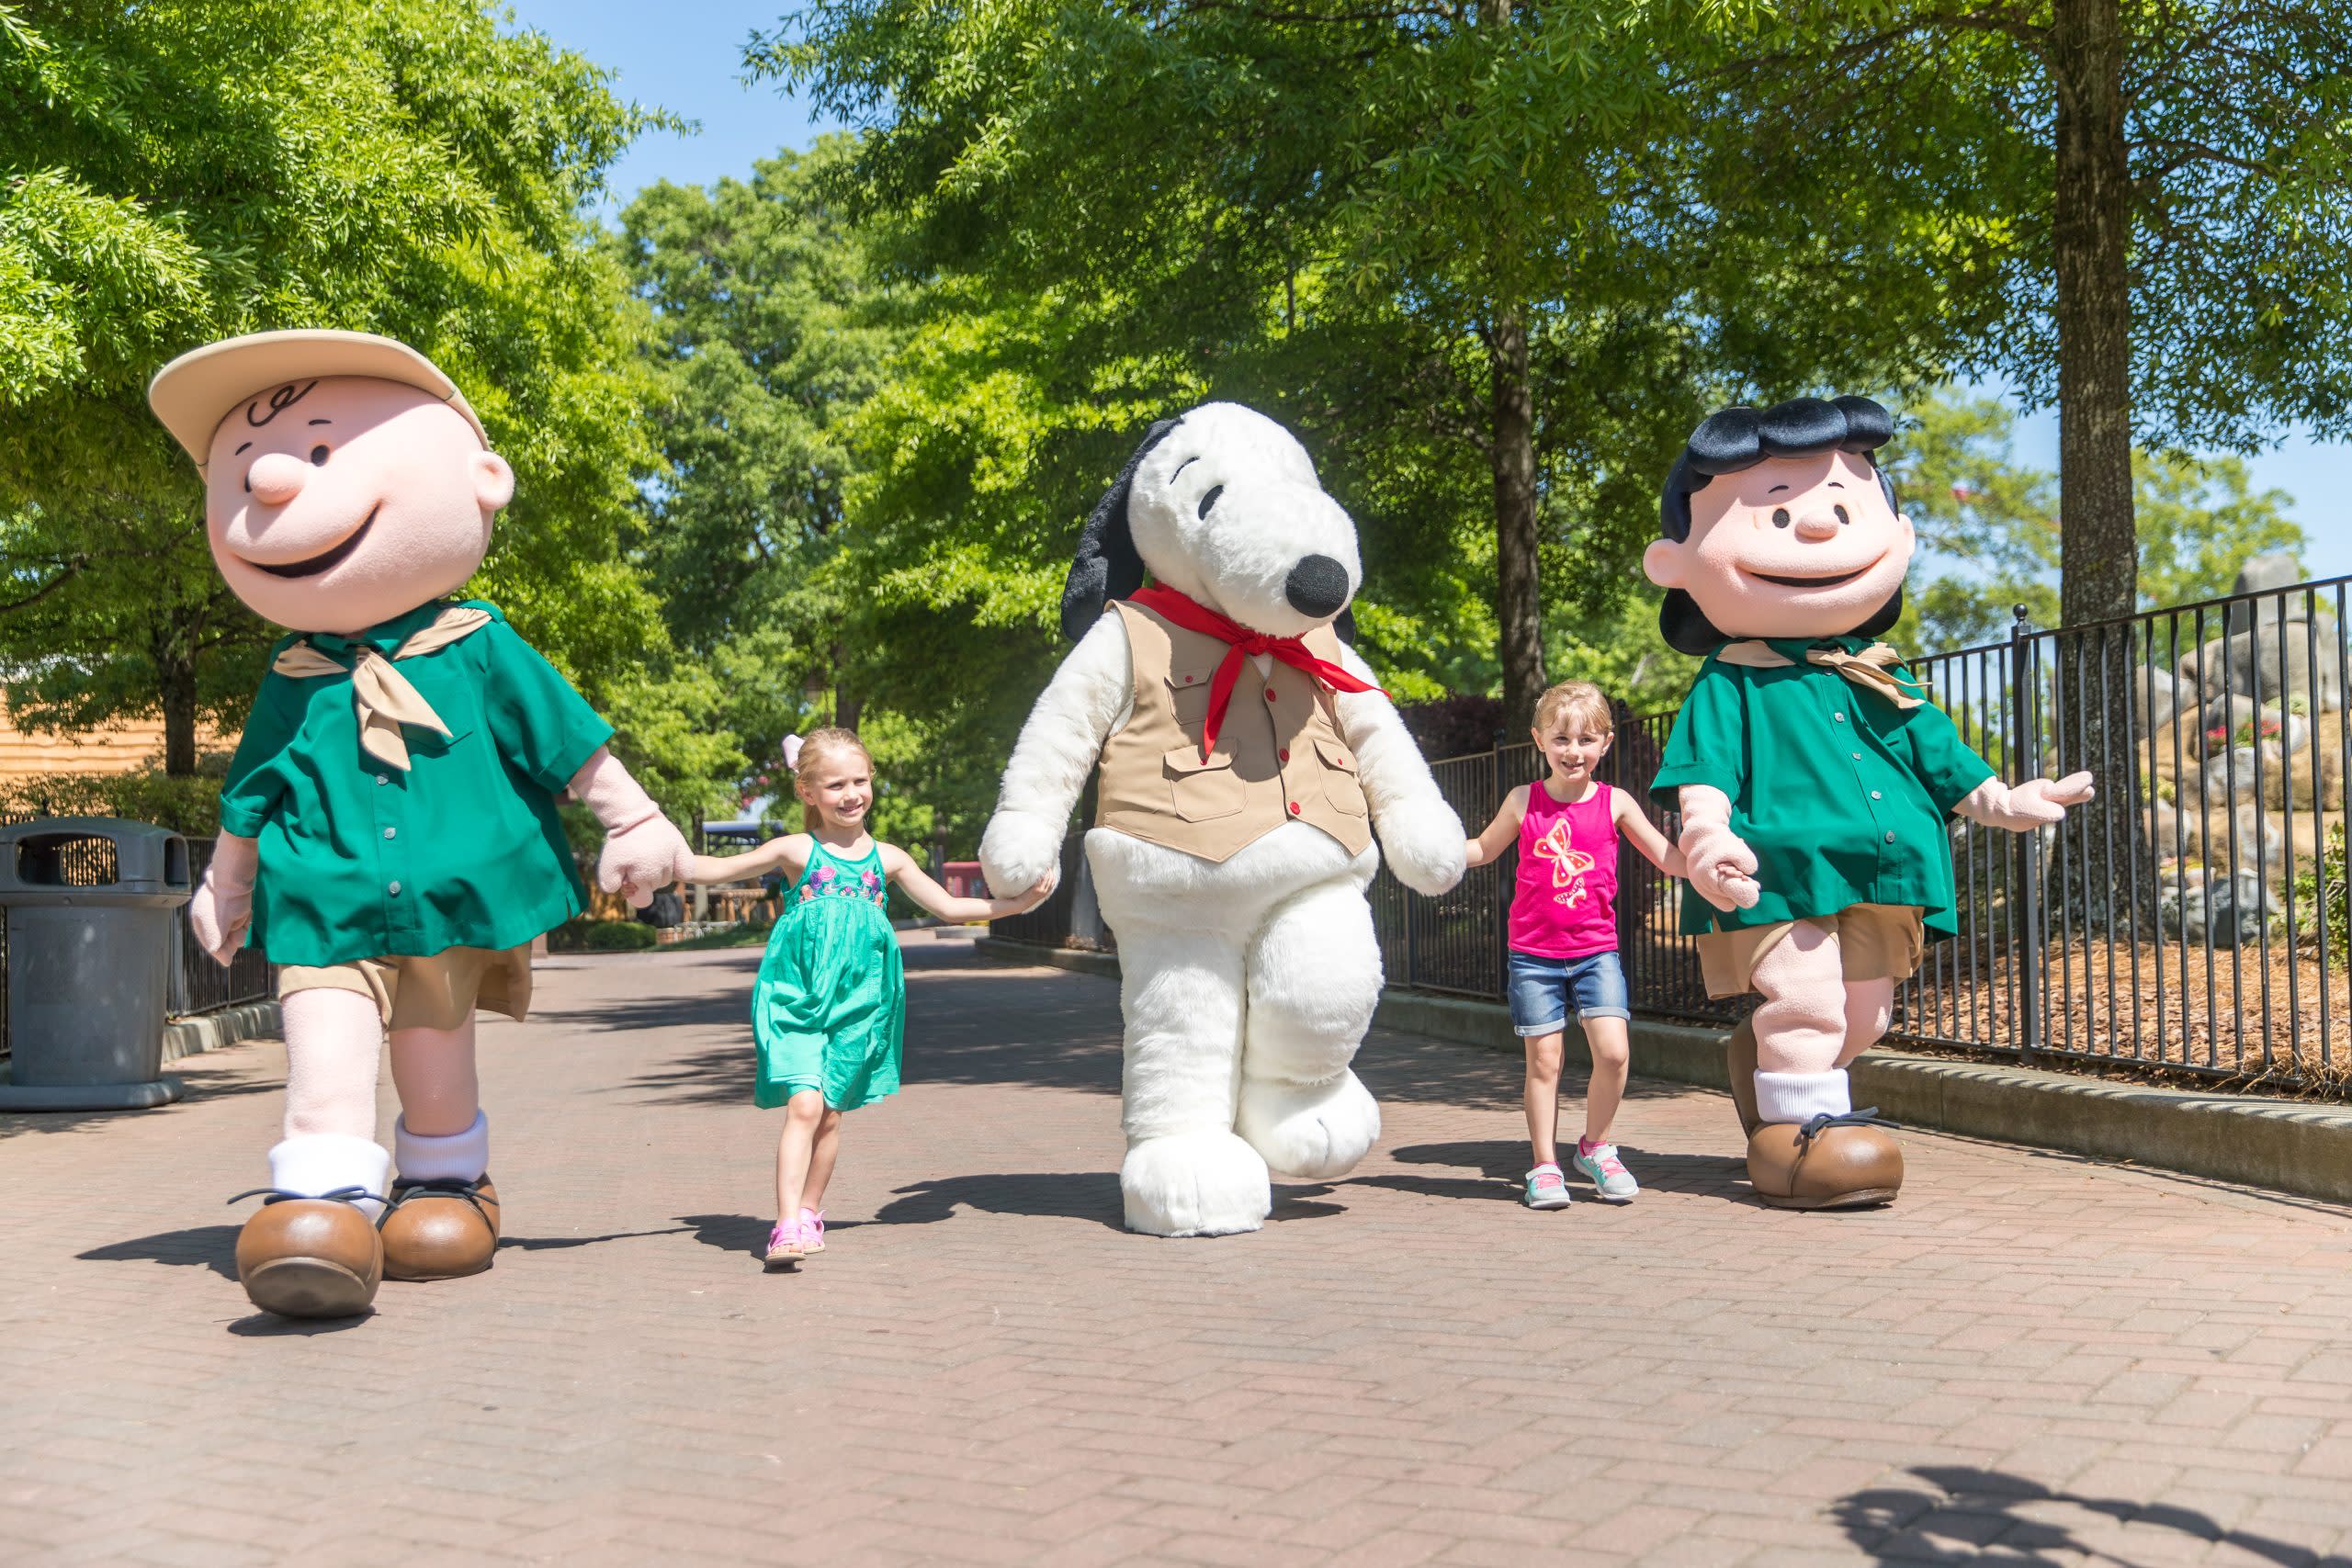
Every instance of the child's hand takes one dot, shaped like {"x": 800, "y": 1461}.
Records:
{"x": 1723, "y": 868}
{"x": 1039, "y": 893}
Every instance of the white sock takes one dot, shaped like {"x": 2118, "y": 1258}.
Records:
{"x": 453, "y": 1156}
{"x": 320, "y": 1162}
{"x": 1801, "y": 1097}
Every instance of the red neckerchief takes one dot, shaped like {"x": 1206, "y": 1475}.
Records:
{"x": 1240, "y": 643}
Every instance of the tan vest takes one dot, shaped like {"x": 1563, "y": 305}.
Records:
{"x": 1278, "y": 756}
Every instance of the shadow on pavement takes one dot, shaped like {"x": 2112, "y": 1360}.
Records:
{"x": 269, "y": 1325}
{"x": 1058, "y": 1195}
{"x": 1965, "y": 1515}
{"x": 199, "y": 1088}
{"x": 1503, "y": 1161}
{"x": 199, "y": 1246}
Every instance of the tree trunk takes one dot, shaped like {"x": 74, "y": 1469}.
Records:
{"x": 1518, "y": 594}
{"x": 176, "y": 672}
{"x": 2099, "y": 552}
{"x": 2098, "y": 547}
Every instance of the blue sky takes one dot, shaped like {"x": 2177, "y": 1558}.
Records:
{"x": 686, "y": 56}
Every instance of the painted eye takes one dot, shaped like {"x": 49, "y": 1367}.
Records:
{"x": 319, "y": 457}
{"x": 1210, "y": 500}
{"x": 249, "y": 482}
{"x": 1780, "y": 517}
{"x": 1841, "y": 515}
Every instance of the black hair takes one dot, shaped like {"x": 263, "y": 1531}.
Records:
{"x": 1736, "y": 438}
{"x": 1107, "y": 565}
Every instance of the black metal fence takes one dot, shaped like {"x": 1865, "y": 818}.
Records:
{"x": 198, "y": 984}
{"x": 2193, "y": 919}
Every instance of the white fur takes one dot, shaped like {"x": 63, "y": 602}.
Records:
{"x": 1247, "y": 984}
{"x": 1801, "y": 1097}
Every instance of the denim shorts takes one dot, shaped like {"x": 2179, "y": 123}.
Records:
{"x": 1544, "y": 991}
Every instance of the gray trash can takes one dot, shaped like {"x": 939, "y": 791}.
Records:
{"x": 90, "y": 903}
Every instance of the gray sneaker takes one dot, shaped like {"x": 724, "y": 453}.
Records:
{"x": 1608, "y": 1172}
{"x": 1546, "y": 1188}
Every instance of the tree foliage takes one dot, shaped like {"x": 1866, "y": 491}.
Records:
{"x": 400, "y": 167}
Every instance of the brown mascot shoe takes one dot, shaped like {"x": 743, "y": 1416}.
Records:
{"x": 440, "y": 1230}
{"x": 1831, "y": 1162}
{"x": 1739, "y": 1063}
{"x": 310, "y": 1257}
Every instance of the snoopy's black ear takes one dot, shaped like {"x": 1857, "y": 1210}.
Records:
{"x": 1107, "y": 567}
{"x": 1344, "y": 623}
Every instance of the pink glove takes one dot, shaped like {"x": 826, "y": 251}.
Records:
{"x": 642, "y": 851}
{"x": 222, "y": 906}
{"x": 1721, "y": 866}
{"x": 2035, "y": 803}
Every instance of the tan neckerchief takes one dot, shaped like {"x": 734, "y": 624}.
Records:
{"x": 382, "y": 694}
{"x": 1871, "y": 668}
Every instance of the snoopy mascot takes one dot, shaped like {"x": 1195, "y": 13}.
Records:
{"x": 1246, "y": 755}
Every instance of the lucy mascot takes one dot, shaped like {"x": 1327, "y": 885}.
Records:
{"x": 1815, "y": 778}
{"x": 389, "y": 832}
{"x": 1246, "y": 755}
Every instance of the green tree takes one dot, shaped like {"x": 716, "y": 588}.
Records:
{"x": 1450, "y": 243}
{"x": 400, "y": 167}
{"x": 2147, "y": 204}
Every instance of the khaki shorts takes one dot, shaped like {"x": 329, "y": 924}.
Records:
{"x": 439, "y": 992}
{"x": 1875, "y": 941}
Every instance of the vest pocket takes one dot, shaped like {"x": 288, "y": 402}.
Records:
{"x": 1188, "y": 693}
{"x": 1342, "y": 784}
{"x": 1202, "y": 791}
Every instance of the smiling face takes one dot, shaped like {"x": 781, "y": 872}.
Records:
{"x": 838, "y": 787}
{"x": 1793, "y": 547}
{"x": 1227, "y": 509}
{"x": 335, "y": 504}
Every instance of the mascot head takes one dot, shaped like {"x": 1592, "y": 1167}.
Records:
{"x": 1222, "y": 505}
{"x": 1779, "y": 524}
{"x": 345, "y": 480}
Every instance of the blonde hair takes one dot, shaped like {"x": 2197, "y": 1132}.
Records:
{"x": 1571, "y": 701}
{"x": 815, "y": 747}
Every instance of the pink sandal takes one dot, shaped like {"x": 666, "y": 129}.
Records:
{"x": 812, "y": 1231}
{"x": 785, "y": 1247}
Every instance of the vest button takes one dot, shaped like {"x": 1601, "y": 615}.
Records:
{"x": 1282, "y": 755}
{"x": 1293, "y": 808}
{"x": 1269, "y": 694}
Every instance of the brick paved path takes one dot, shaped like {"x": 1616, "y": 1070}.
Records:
{"x": 2030, "y": 1359}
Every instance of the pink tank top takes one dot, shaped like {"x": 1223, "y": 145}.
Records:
{"x": 1565, "y": 905}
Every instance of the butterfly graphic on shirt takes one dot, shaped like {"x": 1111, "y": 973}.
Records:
{"x": 1568, "y": 864}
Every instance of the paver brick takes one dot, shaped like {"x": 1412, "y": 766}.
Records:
{"x": 2030, "y": 1358}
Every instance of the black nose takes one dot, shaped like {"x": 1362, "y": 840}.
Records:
{"x": 1317, "y": 586}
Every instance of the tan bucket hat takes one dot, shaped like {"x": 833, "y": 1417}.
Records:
{"x": 194, "y": 392}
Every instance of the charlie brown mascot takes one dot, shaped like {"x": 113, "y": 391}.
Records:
{"x": 1815, "y": 778}
{"x": 388, "y": 828}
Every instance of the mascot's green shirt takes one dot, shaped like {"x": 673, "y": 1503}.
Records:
{"x": 1843, "y": 795}
{"x": 362, "y": 859}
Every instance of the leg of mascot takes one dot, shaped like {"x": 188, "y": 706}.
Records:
{"x": 1186, "y": 1172}
{"x": 1795, "y": 1161}
{"x": 443, "y": 1220}
{"x": 312, "y": 1249}
{"x": 1314, "y": 980}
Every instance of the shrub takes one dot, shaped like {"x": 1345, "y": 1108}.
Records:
{"x": 189, "y": 806}
{"x": 581, "y": 935}
{"x": 1455, "y": 726}
{"x": 2336, "y": 895}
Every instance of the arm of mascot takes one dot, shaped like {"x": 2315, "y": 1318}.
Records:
{"x": 1723, "y": 868}
{"x": 2035, "y": 803}
{"x": 642, "y": 851}
{"x": 1085, "y": 701}
{"x": 1418, "y": 831}
{"x": 222, "y": 906}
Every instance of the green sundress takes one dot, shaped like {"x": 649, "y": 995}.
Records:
{"x": 828, "y": 1009}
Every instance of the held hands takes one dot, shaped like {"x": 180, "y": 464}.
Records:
{"x": 2036, "y": 803}
{"x": 1721, "y": 866}
{"x": 1021, "y": 852}
{"x": 639, "y": 860}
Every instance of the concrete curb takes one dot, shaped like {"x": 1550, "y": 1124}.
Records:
{"x": 2282, "y": 1146}
{"x": 211, "y": 1031}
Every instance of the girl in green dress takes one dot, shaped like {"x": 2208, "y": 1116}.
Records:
{"x": 830, "y": 1006}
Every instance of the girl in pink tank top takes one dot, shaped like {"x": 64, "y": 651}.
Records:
{"x": 1563, "y": 932}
